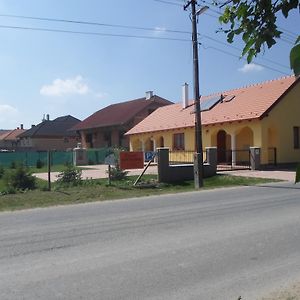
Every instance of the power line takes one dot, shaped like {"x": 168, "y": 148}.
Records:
{"x": 288, "y": 33}
{"x": 114, "y": 26}
{"x": 228, "y": 53}
{"x": 168, "y": 2}
{"x": 95, "y": 24}
{"x": 240, "y": 50}
{"x": 92, "y": 33}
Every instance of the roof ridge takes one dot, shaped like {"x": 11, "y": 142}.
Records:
{"x": 251, "y": 85}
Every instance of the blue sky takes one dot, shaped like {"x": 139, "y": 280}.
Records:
{"x": 61, "y": 73}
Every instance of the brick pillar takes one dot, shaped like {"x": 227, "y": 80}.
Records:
{"x": 163, "y": 164}
{"x": 255, "y": 158}
{"x": 211, "y": 156}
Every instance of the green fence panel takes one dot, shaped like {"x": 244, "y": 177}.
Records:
{"x": 61, "y": 157}
{"x": 31, "y": 159}
{"x": 97, "y": 156}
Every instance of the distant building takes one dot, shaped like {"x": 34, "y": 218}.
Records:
{"x": 51, "y": 135}
{"x": 106, "y": 127}
{"x": 9, "y": 139}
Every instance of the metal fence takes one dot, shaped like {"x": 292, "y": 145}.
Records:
{"x": 183, "y": 157}
{"x": 97, "y": 156}
{"x": 242, "y": 159}
{"x": 31, "y": 159}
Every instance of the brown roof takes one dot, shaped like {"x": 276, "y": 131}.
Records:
{"x": 119, "y": 113}
{"x": 12, "y": 135}
{"x": 3, "y": 133}
{"x": 59, "y": 127}
{"x": 251, "y": 102}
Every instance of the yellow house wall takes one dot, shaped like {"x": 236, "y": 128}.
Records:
{"x": 275, "y": 130}
{"x": 281, "y": 120}
{"x": 209, "y": 135}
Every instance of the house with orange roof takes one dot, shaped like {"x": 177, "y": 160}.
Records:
{"x": 9, "y": 139}
{"x": 107, "y": 126}
{"x": 264, "y": 115}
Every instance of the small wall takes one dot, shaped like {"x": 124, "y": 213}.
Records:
{"x": 80, "y": 156}
{"x": 172, "y": 173}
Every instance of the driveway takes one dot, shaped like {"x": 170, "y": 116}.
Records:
{"x": 96, "y": 172}
{"x": 99, "y": 171}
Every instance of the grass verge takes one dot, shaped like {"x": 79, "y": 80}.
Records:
{"x": 98, "y": 190}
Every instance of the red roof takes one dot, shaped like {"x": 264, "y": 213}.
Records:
{"x": 251, "y": 102}
{"x": 12, "y": 135}
{"x": 119, "y": 113}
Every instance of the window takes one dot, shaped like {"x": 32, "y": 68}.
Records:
{"x": 178, "y": 141}
{"x": 296, "y": 137}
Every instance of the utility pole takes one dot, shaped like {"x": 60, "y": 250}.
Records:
{"x": 198, "y": 159}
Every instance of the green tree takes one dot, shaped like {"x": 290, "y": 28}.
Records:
{"x": 255, "y": 21}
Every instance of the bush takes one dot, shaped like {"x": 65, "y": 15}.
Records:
{"x": 1, "y": 171}
{"x": 19, "y": 179}
{"x": 39, "y": 164}
{"x": 117, "y": 174}
{"x": 13, "y": 165}
{"x": 70, "y": 176}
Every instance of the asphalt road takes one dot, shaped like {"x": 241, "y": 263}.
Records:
{"x": 218, "y": 244}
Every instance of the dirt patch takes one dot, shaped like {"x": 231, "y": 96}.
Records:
{"x": 290, "y": 293}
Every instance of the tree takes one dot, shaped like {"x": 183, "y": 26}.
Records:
{"x": 256, "y": 22}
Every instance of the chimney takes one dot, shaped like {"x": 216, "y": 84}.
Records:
{"x": 185, "y": 95}
{"x": 149, "y": 95}
{"x": 22, "y": 126}
{"x": 32, "y": 125}
{"x": 47, "y": 117}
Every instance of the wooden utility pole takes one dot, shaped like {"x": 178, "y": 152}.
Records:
{"x": 198, "y": 160}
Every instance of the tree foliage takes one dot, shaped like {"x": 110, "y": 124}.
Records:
{"x": 255, "y": 21}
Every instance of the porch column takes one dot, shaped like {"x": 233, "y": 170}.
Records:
{"x": 143, "y": 145}
{"x": 154, "y": 144}
{"x": 233, "y": 149}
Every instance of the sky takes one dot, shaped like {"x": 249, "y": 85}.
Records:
{"x": 60, "y": 73}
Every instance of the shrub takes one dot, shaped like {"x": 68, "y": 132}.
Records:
{"x": 39, "y": 164}
{"x": 117, "y": 174}
{"x": 13, "y": 165}
{"x": 19, "y": 178}
{"x": 70, "y": 176}
{"x": 1, "y": 171}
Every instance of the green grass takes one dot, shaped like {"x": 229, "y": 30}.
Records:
{"x": 98, "y": 190}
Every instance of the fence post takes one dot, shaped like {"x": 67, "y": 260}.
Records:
{"x": 255, "y": 158}
{"x": 49, "y": 170}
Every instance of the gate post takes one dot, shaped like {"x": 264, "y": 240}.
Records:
{"x": 255, "y": 153}
{"x": 163, "y": 164}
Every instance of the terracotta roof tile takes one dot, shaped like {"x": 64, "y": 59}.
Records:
{"x": 250, "y": 102}
{"x": 13, "y": 135}
{"x": 119, "y": 113}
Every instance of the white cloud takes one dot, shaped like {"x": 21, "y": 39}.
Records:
{"x": 6, "y": 110}
{"x": 60, "y": 87}
{"x": 9, "y": 116}
{"x": 159, "y": 30}
{"x": 251, "y": 68}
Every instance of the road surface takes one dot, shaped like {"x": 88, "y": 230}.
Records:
{"x": 218, "y": 244}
